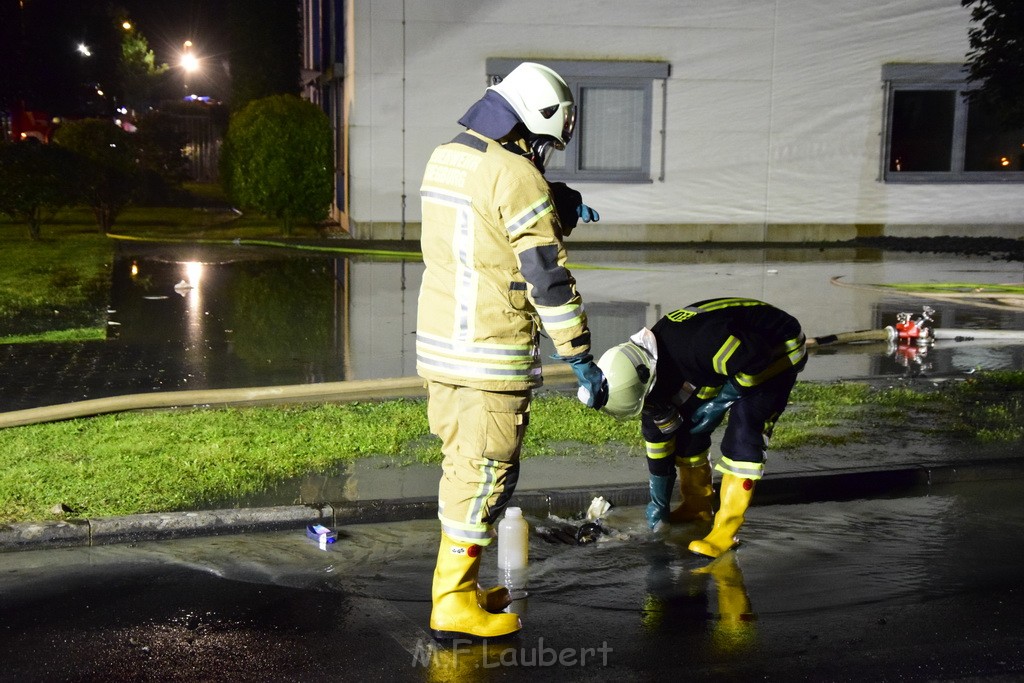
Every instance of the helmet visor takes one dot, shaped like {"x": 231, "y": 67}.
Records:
{"x": 568, "y": 125}
{"x": 568, "y": 121}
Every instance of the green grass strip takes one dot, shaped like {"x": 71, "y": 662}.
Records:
{"x": 956, "y": 287}
{"x": 181, "y": 459}
{"x": 78, "y": 334}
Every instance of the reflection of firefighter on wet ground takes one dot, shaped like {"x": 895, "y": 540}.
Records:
{"x": 710, "y": 599}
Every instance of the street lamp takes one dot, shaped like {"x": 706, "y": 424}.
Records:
{"x": 189, "y": 62}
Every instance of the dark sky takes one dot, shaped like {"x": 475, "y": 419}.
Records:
{"x": 39, "y": 62}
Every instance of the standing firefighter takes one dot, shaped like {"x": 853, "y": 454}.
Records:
{"x": 681, "y": 376}
{"x": 495, "y": 275}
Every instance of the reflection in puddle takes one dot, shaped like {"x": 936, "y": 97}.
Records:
{"x": 247, "y": 317}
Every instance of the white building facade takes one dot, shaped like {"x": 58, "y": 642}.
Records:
{"x": 731, "y": 121}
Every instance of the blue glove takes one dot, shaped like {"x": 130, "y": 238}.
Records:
{"x": 570, "y": 207}
{"x": 587, "y": 214}
{"x": 709, "y": 414}
{"x": 593, "y": 385}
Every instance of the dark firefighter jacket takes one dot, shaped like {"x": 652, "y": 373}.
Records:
{"x": 713, "y": 341}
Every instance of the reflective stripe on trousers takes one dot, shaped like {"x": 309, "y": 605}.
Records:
{"x": 481, "y": 437}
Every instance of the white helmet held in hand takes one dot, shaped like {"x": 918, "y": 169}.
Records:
{"x": 627, "y": 367}
{"x": 541, "y": 100}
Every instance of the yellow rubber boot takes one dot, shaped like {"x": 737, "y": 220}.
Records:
{"x": 456, "y": 611}
{"x": 493, "y": 599}
{"x": 735, "y": 496}
{"x": 695, "y": 489}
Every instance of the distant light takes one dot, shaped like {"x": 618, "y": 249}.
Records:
{"x": 99, "y": 92}
{"x": 1003, "y": 161}
{"x": 83, "y": 49}
{"x": 189, "y": 62}
{"x": 126, "y": 25}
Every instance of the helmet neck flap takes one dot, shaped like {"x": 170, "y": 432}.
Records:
{"x": 491, "y": 116}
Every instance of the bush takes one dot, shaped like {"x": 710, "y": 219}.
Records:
{"x": 109, "y": 172}
{"x": 278, "y": 159}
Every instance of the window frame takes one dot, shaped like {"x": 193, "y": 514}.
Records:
{"x": 600, "y": 74}
{"x": 901, "y": 77}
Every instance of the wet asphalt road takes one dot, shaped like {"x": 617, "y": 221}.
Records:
{"x": 921, "y": 587}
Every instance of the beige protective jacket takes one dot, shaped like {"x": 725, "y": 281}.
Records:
{"x": 495, "y": 270}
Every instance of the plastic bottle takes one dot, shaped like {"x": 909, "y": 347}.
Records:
{"x": 513, "y": 551}
{"x": 513, "y": 540}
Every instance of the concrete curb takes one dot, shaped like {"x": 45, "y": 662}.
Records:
{"x": 792, "y": 488}
{"x": 157, "y": 526}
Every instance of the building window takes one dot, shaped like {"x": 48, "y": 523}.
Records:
{"x": 933, "y": 133}
{"x": 613, "y": 138}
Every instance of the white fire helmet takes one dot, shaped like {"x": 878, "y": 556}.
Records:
{"x": 630, "y": 375}
{"x": 541, "y": 100}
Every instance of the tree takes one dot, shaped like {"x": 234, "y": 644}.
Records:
{"x": 996, "y": 58}
{"x": 110, "y": 175}
{"x": 277, "y": 159}
{"x": 141, "y": 77}
{"x": 35, "y": 181}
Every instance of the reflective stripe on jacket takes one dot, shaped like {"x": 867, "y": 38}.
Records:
{"x": 710, "y": 342}
{"x": 495, "y": 270}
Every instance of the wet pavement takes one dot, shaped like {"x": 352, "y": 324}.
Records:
{"x": 872, "y": 562}
{"x": 920, "y": 585}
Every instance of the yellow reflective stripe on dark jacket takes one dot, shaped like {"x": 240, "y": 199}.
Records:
{"x": 724, "y": 353}
{"x": 792, "y": 352}
{"x": 681, "y": 314}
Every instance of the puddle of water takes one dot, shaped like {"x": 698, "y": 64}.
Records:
{"x": 794, "y": 558}
{"x": 251, "y": 318}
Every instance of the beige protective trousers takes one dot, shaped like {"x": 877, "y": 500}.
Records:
{"x": 481, "y": 438}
